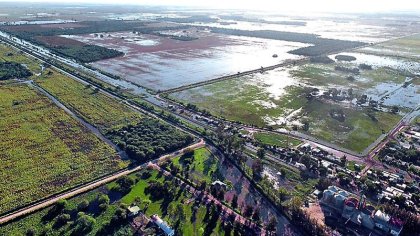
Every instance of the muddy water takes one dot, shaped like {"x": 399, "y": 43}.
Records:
{"x": 161, "y": 63}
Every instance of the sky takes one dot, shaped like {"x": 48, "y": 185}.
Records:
{"x": 274, "y": 5}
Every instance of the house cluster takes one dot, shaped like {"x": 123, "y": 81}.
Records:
{"x": 207, "y": 120}
{"x": 357, "y": 211}
{"x": 143, "y": 225}
{"x": 394, "y": 186}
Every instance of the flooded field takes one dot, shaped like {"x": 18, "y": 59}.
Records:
{"x": 311, "y": 95}
{"x": 162, "y": 63}
{"x": 349, "y": 27}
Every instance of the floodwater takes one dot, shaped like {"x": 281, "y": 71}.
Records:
{"x": 396, "y": 95}
{"x": 384, "y": 61}
{"x": 344, "y": 30}
{"x": 161, "y": 63}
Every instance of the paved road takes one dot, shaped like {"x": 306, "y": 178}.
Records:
{"x": 89, "y": 186}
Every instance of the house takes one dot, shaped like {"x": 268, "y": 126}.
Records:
{"x": 133, "y": 210}
{"x": 219, "y": 185}
{"x": 163, "y": 225}
{"x": 381, "y": 220}
{"x": 395, "y": 225}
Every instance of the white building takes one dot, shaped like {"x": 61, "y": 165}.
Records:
{"x": 163, "y": 225}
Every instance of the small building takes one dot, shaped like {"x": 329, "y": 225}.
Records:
{"x": 133, "y": 210}
{"x": 395, "y": 225}
{"x": 219, "y": 185}
{"x": 163, "y": 225}
{"x": 381, "y": 220}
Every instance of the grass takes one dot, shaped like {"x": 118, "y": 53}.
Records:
{"x": 96, "y": 108}
{"x": 244, "y": 99}
{"x": 11, "y": 55}
{"x": 358, "y": 130}
{"x": 407, "y": 47}
{"x": 38, "y": 222}
{"x": 351, "y": 165}
{"x": 44, "y": 150}
{"x": 276, "y": 139}
{"x": 203, "y": 166}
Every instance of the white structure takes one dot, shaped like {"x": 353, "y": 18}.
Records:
{"x": 134, "y": 210}
{"x": 163, "y": 225}
{"x": 381, "y": 220}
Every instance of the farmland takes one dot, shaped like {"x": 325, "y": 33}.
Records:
{"x": 95, "y": 107}
{"x": 48, "y": 158}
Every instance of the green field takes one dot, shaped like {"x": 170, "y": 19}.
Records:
{"x": 11, "y": 55}
{"x": 95, "y": 107}
{"x": 408, "y": 47}
{"x": 276, "y": 140}
{"x": 248, "y": 101}
{"x": 202, "y": 165}
{"x": 44, "y": 150}
{"x": 165, "y": 208}
{"x": 355, "y": 133}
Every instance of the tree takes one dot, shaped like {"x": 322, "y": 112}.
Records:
{"x": 261, "y": 153}
{"x": 323, "y": 171}
{"x": 103, "y": 198}
{"x": 83, "y": 205}
{"x": 283, "y": 193}
{"x": 125, "y": 183}
{"x": 272, "y": 224}
{"x": 343, "y": 160}
{"x": 248, "y": 211}
{"x": 256, "y": 215}
{"x": 63, "y": 218}
{"x": 234, "y": 202}
{"x": 103, "y": 201}
{"x": 257, "y": 168}
{"x": 60, "y": 205}
{"x": 30, "y": 232}
{"x": 84, "y": 223}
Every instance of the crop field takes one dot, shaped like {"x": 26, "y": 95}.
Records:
{"x": 44, "y": 150}
{"x": 96, "y": 108}
{"x": 161, "y": 63}
{"x": 194, "y": 219}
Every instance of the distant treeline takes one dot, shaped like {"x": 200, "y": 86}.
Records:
{"x": 28, "y": 32}
{"x": 247, "y": 19}
{"x": 87, "y": 53}
{"x": 191, "y": 19}
{"x": 12, "y": 70}
{"x": 320, "y": 46}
